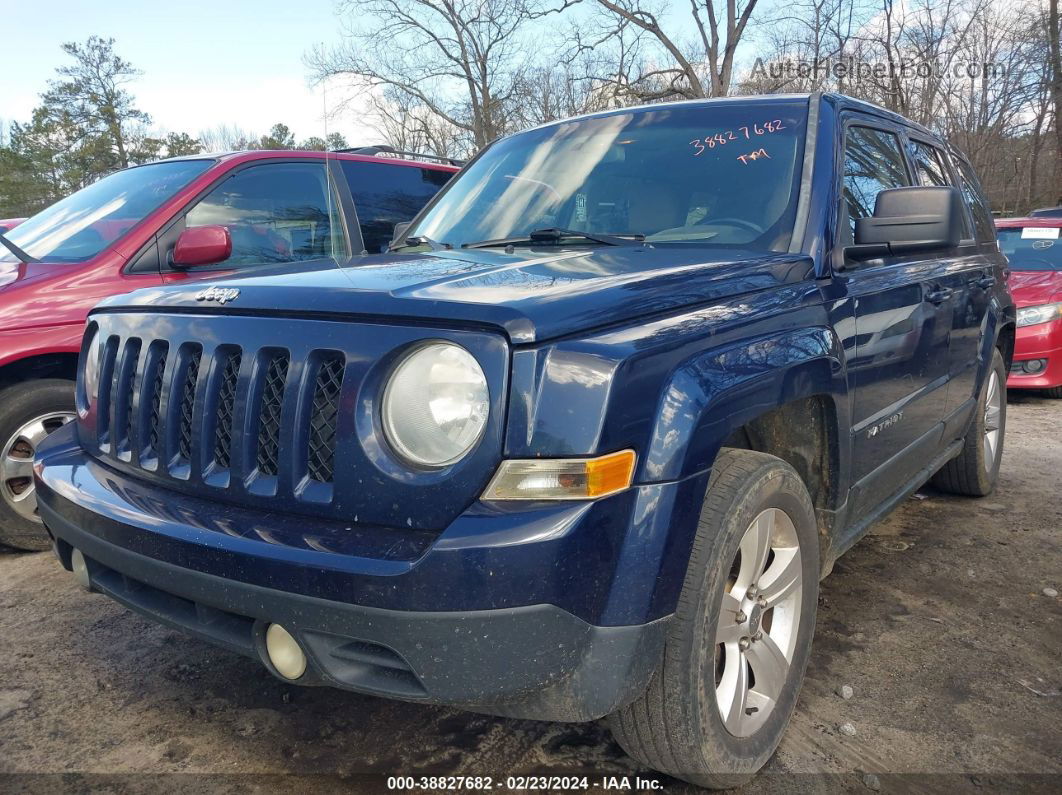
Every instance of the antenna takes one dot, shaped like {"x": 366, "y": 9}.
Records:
{"x": 329, "y": 188}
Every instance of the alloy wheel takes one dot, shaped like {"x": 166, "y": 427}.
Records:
{"x": 756, "y": 633}
{"x": 993, "y": 415}
{"x": 16, "y": 463}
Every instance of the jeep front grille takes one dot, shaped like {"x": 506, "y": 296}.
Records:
{"x": 228, "y": 415}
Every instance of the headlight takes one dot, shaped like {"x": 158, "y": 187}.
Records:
{"x": 1045, "y": 313}
{"x": 562, "y": 478}
{"x": 90, "y": 375}
{"x": 435, "y": 405}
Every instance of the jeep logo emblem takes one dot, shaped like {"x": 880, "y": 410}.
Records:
{"x": 220, "y": 294}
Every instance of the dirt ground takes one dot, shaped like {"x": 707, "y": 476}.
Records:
{"x": 937, "y": 621}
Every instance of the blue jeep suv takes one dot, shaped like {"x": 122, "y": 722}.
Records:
{"x": 582, "y": 444}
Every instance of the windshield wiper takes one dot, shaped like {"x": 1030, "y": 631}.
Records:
{"x": 555, "y": 235}
{"x": 22, "y": 255}
{"x": 421, "y": 240}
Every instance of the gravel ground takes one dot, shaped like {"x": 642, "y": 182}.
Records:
{"x": 937, "y": 621}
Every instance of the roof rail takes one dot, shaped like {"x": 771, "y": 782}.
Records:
{"x": 384, "y": 149}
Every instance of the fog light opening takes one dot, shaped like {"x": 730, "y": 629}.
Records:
{"x": 285, "y": 654}
{"x": 80, "y": 569}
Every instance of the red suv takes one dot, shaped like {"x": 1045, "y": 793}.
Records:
{"x": 163, "y": 223}
{"x": 1034, "y": 248}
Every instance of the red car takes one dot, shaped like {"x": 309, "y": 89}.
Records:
{"x": 1034, "y": 248}
{"x": 161, "y": 223}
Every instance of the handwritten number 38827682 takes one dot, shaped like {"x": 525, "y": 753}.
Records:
{"x": 744, "y": 133}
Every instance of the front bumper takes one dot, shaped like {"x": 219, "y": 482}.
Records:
{"x": 538, "y": 659}
{"x": 1040, "y": 342}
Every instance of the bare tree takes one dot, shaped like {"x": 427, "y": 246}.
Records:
{"x": 461, "y": 60}
{"x": 804, "y": 42}
{"x": 549, "y": 93}
{"x": 226, "y": 138}
{"x": 410, "y": 126}
{"x": 1055, "y": 51}
{"x": 677, "y": 68}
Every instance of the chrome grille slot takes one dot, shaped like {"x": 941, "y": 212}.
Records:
{"x": 226, "y": 408}
{"x": 124, "y": 391}
{"x": 154, "y": 373}
{"x": 321, "y": 445}
{"x": 269, "y": 415}
{"x": 105, "y": 400}
{"x": 183, "y": 407}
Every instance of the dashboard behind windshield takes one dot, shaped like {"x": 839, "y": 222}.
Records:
{"x": 80, "y": 226}
{"x": 703, "y": 174}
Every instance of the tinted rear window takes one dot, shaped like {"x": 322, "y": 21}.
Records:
{"x": 387, "y": 194}
{"x": 975, "y": 199}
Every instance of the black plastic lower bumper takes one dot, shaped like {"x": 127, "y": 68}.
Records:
{"x": 538, "y": 662}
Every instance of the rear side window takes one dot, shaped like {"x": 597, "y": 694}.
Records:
{"x": 279, "y": 212}
{"x": 873, "y": 162}
{"x": 975, "y": 198}
{"x": 929, "y": 165}
{"x": 931, "y": 168}
{"x": 387, "y": 194}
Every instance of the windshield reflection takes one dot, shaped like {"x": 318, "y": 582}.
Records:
{"x": 80, "y": 226}
{"x": 701, "y": 174}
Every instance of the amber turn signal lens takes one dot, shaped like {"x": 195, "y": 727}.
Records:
{"x": 609, "y": 474}
{"x": 562, "y": 478}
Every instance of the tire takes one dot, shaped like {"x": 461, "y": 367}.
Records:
{"x": 677, "y": 726}
{"x": 1054, "y": 392}
{"x": 28, "y": 411}
{"x": 974, "y": 471}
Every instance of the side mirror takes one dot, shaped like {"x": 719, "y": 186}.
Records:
{"x": 910, "y": 221}
{"x": 400, "y": 232}
{"x": 202, "y": 245}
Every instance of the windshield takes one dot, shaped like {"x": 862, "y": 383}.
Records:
{"x": 722, "y": 174}
{"x": 81, "y": 225}
{"x": 1032, "y": 248}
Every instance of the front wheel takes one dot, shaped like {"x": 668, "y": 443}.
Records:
{"x": 29, "y": 411}
{"x": 739, "y": 642}
{"x": 975, "y": 470}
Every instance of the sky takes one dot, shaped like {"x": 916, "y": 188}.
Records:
{"x": 233, "y": 62}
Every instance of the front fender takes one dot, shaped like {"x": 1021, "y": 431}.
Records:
{"x": 675, "y": 389}
{"x": 24, "y": 343}
{"x": 716, "y": 392}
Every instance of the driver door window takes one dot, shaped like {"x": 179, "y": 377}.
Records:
{"x": 873, "y": 162}
{"x": 274, "y": 213}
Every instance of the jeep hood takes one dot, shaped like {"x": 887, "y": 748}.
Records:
{"x": 531, "y": 295}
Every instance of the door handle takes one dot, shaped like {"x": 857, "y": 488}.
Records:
{"x": 939, "y": 295}
{"x": 985, "y": 282}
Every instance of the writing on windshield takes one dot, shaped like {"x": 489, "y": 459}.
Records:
{"x": 617, "y": 175}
